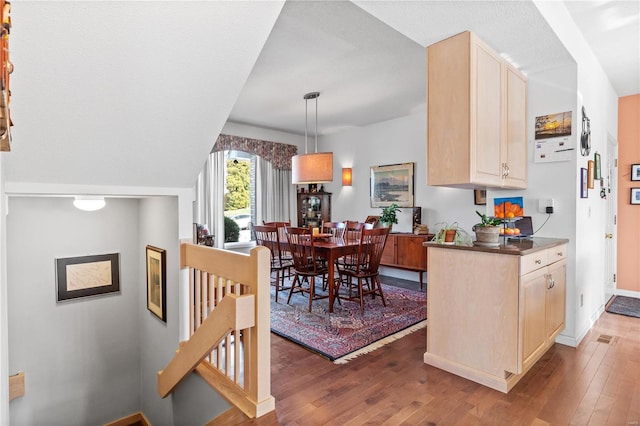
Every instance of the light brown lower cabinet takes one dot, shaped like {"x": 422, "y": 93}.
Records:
{"x": 491, "y": 316}
{"x": 406, "y": 251}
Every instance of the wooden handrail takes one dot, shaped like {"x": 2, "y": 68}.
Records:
{"x": 229, "y": 327}
{"x": 233, "y": 312}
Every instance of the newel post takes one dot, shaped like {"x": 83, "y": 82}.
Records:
{"x": 260, "y": 356}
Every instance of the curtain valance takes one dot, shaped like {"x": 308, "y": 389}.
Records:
{"x": 278, "y": 154}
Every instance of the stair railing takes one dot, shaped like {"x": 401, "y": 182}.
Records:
{"x": 229, "y": 326}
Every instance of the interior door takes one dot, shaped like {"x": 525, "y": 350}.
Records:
{"x": 610, "y": 240}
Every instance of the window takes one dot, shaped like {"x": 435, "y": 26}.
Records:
{"x": 239, "y": 194}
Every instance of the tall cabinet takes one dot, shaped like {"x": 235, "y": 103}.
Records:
{"x": 477, "y": 134}
{"x": 313, "y": 208}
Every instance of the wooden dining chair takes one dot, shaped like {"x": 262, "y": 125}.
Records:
{"x": 353, "y": 232}
{"x": 365, "y": 271}
{"x": 306, "y": 266}
{"x": 281, "y": 265}
{"x": 282, "y": 238}
{"x": 336, "y": 229}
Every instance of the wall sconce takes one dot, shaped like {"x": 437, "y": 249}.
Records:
{"x": 88, "y": 203}
{"x": 346, "y": 176}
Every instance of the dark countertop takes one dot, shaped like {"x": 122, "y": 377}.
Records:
{"x": 513, "y": 246}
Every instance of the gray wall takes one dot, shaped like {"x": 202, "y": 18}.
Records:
{"x": 81, "y": 357}
{"x": 94, "y": 360}
{"x": 193, "y": 402}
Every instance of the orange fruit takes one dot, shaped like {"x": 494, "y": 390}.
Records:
{"x": 501, "y": 231}
{"x": 509, "y": 231}
{"x": 510, "y": 215}
{"x": 516, "y": 231}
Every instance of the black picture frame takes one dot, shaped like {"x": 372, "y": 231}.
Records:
{"x": 635, "y": 196}
{"x": 635, "y": 172}
{"x": 584, "y": 190}
{"x": 86, "y": 276}
{"x": 480, "y": 197}
{"x": 156, "y": 260}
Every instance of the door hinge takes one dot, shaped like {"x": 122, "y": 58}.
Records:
{"x": 615, "y": 219}
{"x": 614, "y": 278}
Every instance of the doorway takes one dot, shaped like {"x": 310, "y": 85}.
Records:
{"x": 610, "y": 189}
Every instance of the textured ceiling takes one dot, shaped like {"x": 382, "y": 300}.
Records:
{"x": 134, "y": 93}
{"x": 368, "y": 58}
{"x": 612, "y": 29}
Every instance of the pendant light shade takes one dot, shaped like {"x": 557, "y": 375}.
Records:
{"x": 311, "y": 168}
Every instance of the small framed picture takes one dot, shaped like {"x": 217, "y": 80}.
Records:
{"x": 635, "y": 195}
{"x": 157, "y": 282}
{"x": 597, "y": 161}
{"x": 635, "y": 172}
{"x": 480, "y": 197}
{"x": 87, "y": 276}
{"x": 590, "y": 173}
{"x": 584, "y": 191}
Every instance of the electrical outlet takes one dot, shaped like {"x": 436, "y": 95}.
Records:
{"x": 546, "y": 205}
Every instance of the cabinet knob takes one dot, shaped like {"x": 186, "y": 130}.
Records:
{"x": 559, "y": 254}
{"x": 538, "y": 261}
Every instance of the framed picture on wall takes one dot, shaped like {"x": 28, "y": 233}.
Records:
{"x": 392, "y": 184}
{"x": 635, "y": 172}
{"x": 480, "y": 197}
{"x": 635, "y": 195}
{"x": 157, "y": 282}
{"x": 584, "y": 190}
{"x": 87, "y": 276}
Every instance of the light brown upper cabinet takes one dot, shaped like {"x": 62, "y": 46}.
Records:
{"x": 477, "y": 116}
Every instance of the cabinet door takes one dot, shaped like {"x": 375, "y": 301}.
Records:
{"x": 515, "y": 143}
{"x": 486, "y": 121}
{"x": 533, "y": 294}
{"x": 389, "y": 253}
{"x": 411, "y": 253}
{"x": 556, "y": 298}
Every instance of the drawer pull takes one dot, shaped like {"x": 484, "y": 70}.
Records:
{"x": 559, "y": 254}
{"x": 538, "y": 261}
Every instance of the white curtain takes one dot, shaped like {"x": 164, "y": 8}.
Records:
{"x": 209, "y": 204}
{"x": 273, "y": 193}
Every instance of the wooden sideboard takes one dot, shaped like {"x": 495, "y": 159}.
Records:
{"x": 406, "y": 251}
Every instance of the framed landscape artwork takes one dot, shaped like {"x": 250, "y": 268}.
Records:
{"x": 392, "y": 184}
{"x": 87, "y": 276}
{"x": 635, "y": 172}
{"x": 157, "y": 282}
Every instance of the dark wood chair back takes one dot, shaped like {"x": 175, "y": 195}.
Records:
{"x": 336, "y": 229}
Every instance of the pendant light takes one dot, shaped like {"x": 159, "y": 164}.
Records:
{"x": 316, "y": 167}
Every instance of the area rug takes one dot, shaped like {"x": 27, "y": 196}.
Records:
{"x": 345, "y": 333}
{"x": 623, "y": 305}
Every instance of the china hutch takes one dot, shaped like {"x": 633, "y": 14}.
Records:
{"x": 313, "y": 208}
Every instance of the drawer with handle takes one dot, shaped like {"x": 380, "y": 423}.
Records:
{"x": 558, "y": 253}
{"x": 533, "y": 261}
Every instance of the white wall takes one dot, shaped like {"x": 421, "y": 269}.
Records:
{"x": 596, "y": 93}
{"x": 4, "y": 332}
{"x": 81, "y": 357}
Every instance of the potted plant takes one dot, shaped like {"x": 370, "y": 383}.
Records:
{"x": 389, "y": 215}
{"x": 451, "y": 233}
{"x": 488, "y": 230}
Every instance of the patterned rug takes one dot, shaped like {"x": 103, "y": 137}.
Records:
{"x": 623, "y": 305}
{"x": 346, "y": 334}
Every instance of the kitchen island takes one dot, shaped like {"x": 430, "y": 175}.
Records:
{"x": 494, "y": 311}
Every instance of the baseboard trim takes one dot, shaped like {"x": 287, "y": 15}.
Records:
{"x": 131, "y": 419}
{"x": 628, "y": 293}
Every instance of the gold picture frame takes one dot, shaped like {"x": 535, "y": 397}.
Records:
{"x": 87, "y": 276}
{"x": 157, "y": 281}
{"x": 392, "y": 184}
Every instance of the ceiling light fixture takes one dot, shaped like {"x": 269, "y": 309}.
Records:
{"x": 316, "y": 167}
{"x": 89, "y": 203}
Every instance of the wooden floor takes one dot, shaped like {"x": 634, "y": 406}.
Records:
{"x": 594, "y": 384}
